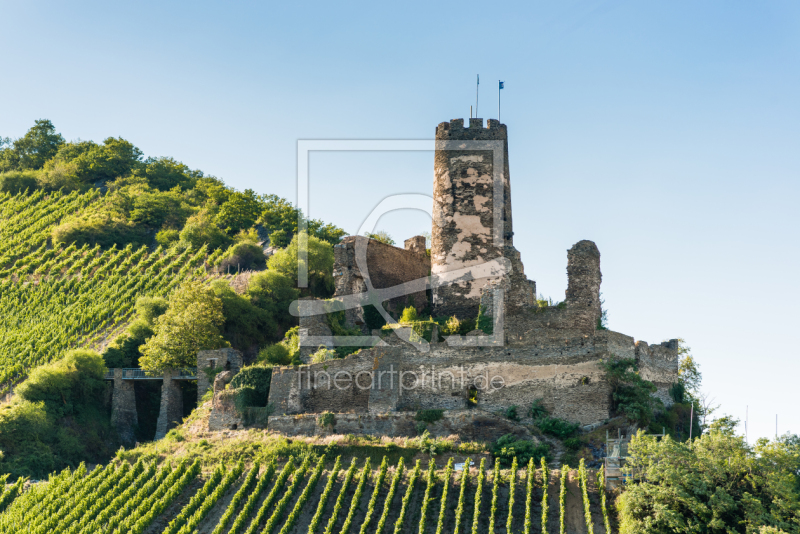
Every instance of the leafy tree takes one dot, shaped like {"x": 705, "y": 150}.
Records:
{"x": 240, "y": 211}
{"x": 165, "y": 174}
{"x": 99, "y": 227}
{"x": 274, "y": 291}
{"x": 244, "y": 256}
{"x": 18, "y": 181}
{"x": 192, "y": 323}
{"x": 159, "y": 208}
{"x": 38, "y": 145}
{"x": 631, "y": 395}
{"x": 715, "y": 484}
{"x": 326, "y": 232}
{"x": 381, "y": 236}
{"x": 201, "y": 229}
{"x": 286, "y": 352}
{"x": 688, "y": 369}
{"x": 116, "y": 157}
{"x": 320, "y": 264}
{"x": 246, "y": 325}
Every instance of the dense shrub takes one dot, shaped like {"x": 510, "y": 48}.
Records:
{"x": 99, "y": 228}
{"x": 631, "y": 395}
{"x": 320, "y": 265}
{"x": 558, "y": 428}
{"x": 243, "y": 256}
{"x": 246, "y": 326}
{"x": 509, "y": 447}
{"x": 58, "y": 418}
{"x": 201, "y": 229}
{"x": 18, "y": 181}
{"x": 257, "y": 378}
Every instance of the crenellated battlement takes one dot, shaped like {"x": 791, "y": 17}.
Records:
{"x": 455, "y": 129}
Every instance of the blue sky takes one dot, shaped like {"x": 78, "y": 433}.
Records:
{"x": 666, "y": 132}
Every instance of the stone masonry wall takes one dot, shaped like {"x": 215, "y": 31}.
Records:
{"x": 386, "y": 265}
{"x": 229, "y": 359}
{"x": 170, "y": 413}
{"x": 472, "y": 425}
{"x": 659, "y": 364}
{"x": 123, "y": 408}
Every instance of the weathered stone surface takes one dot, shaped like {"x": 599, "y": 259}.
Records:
{"x": 471, "y": 425}
{"x": 123, "y": 408}
{"x": 464, "y": 215}
{"x": 170, "y": 413}
{"x": 224, "y": 415}
{"x": 386, "y": 266}
{"x": 229, "y": 359}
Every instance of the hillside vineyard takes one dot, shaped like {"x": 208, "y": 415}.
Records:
{"x": 302, "y": 496}
{"x": 53, "y": 298}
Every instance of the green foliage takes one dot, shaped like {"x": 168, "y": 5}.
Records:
{"x": 151, "y": 308}
{"x": 409, "y": 315}
{"x": 562, "y": 494}
{"x": 326, "y": 419}
{"x": 573, "y": 444}
{"x": 298, "y": 507}
{"x": 15, "y": 182}
{"x": 601, "y": 488}
{"x": 529, "y": 483}
{"x": 201, "y": 229}
{"x": 32, "y": 150}
{"x": 676, "y": 421}
{"x": 33, "y": 436}
{"x": 631, "y": 395}
{"x": 508, "y": 447}
{"x": 448, "y": 475}
{"x": 258, "y": 379}
{"x": 375, "y": 493}
{"x": 323, "y": 500}
{"x": 476, "y": 514}
{"x": 398, "y": 474}
{"x": 246, "y": 325}
{"x": 556, "y": 427}
{"x": 99, "y": 228}
{"x": 319, "y": 264}
{"x": 511, "y": 413}
{"x": 166, "y": 173}
{"x": 602, "y": 321}
{"x": 537, "y": 410}
{"x": 274, "y": 292}
{"x": 323, "y": 354}
{"x": 380, "y": 236}
{"x": 430, "y": 481}
{"x": 398, "y": 526}
{"x": 239, "y": 211}
{"x": 286, "y": 352}
{"x": 716, "y": 483}
{"x": 545, "y": 502}
{"x": 354, "y": 503}
{"x": 373, "y": 318}
{"x": 243, "y": 256}
{"x": 191, "y": 323}
{"x": 429, "y": 416}
{"x": 484, "y": 322}
{"x": 584, "y": 480}
{"x": 462, "y": 493}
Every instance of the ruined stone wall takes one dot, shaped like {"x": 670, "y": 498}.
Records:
{"x": 224, "y": 415}
{"x": 659, "y": 364}
{"x": 324, "y": 387}
{"x": 170, "y": 413}
{"x": 472, "y": 425}
{"x": 123, "y": 408}
{"x": 386, "y": 265}
{"x": 565, "y": 373}
{"x": 577, "y": 315}
{"x": 229, "y": 359}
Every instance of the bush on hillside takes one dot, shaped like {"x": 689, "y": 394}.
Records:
{"x": 716, "y": 483}
{"x": 99, "y": 228}
{"x": 246, "y": 326}
{"x": 256, "y": 377}
{"x": 19, "y": 181}
{"x": 274, "y": 292}
{"x": 192, "y": 323}
{"x": 200, "y": 229}
{"x": 243, "y": 256}
{"x": 320, "y": 265}
{"x": 509, "y": 447}
{"x": 57, "y": 418}
{"x": 631, "y": 395}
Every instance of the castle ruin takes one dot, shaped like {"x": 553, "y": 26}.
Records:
{"x": 552, "y": 354}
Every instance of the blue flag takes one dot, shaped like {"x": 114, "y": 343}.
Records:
{"x": 501, "y": 85}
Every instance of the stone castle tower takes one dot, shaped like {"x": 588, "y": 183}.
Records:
{"x": 472, "y": 222}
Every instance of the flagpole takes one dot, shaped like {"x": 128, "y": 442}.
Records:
{"x": 499, "y": 89}
{"x": 477, "y": 87}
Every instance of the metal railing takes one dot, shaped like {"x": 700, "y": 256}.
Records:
{"x": 189, "y": 373}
